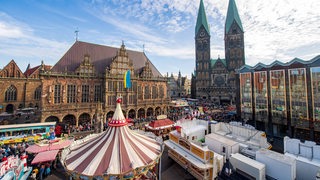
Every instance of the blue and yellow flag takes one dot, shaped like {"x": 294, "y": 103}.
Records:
{"x": 127, "y": 80}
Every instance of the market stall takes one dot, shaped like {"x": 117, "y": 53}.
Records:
{"x": 45, "y": 156}
{"x": 162, "y": 126}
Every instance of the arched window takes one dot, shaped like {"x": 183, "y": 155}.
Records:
{"x": 5, "y": 73}
{"x": 37, "y": 93}
{"x": 11, "y": 94}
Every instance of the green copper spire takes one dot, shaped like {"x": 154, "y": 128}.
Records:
{"x": 232, "y": 15}
{"x": 202, "y": 19}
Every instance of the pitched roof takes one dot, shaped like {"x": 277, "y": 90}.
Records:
{"x": 232, "y": 15}
{"x": 17, "y": 69}
{"x": 100, "y": 56}
{"x": 30, "y": 71}
{"x": 202, "y": 19}
{"x": 214, "y": 61}
{"x": 115, "y": 152}
{"x": 161, "y": 123}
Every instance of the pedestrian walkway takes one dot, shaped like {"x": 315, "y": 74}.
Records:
{"x": 176, "y": 172}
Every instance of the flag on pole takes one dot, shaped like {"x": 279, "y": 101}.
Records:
{"x": 127, "y": 80}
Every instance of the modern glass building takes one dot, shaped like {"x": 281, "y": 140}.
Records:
{"x": 282, "y": 99}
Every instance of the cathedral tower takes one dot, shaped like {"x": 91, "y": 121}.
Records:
{"x": 233, "y": 38}
{"x": 202, "y": 44}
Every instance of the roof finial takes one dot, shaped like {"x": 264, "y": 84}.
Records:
{"x": 76, "y": 32}
{"x": 143, "y": 48}
{"x": 122, "y": 43}
{"x": 218, "y": 56}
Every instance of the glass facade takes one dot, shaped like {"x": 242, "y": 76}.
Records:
{"x": 282, "y": 99}
{"x": 315, "y": 83}
{"x": 261, "y": 96}
{"x": 298, "y": 97}
{"x": 278, "y": 97}
{"x": 246, "y": 98}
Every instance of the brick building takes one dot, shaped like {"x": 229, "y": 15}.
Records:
{"x": 84, "y": 84}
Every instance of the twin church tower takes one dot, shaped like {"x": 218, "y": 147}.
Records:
{"x": 214, "y": 79}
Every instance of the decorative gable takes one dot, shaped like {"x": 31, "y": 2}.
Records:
{"x": 86, "y": 67}
{"x": 219, "y": 65}
{"x": 146, "y": 71}
{"x": 121, "y": 63}
{"x": 11, "y": 70}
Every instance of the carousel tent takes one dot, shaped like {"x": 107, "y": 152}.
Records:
{"x": 118, "y": 151}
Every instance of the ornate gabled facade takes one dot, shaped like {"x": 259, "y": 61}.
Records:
{"x": 90, "y": 77}
{"x": 178, "y": 86}
{"x": 11, "y": 70}
{"x": 214, "y": 79}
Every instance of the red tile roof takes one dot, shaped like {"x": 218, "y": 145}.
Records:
{"x": 32, "y": 70}
{"x": 160, "y": 123}
{"x": 100, "y": 56}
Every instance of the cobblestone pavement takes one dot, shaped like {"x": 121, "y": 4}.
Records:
{"x": 172, "y": 170}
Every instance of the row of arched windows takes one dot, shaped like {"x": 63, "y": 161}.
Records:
{"x": 7, "y": 73}
{"x": 11, "y": 94}
{"x": 203, "y": 66}
{"x": 203, "y": 75}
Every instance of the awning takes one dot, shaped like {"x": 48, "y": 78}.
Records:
{"x": 53, "y": 145}
{"x": 45, "y": 156}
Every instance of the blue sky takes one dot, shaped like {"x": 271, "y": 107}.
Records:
{"x": 31, "y": 31}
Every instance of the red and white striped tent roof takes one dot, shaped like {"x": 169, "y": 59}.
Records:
{"x": 117, "y": 151}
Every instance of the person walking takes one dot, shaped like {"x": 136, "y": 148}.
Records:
{"x": 47, "y": 170}
{"x": 41, "y": 172}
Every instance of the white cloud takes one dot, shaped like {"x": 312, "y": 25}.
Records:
{"x": 278, "y": 29}
{"x": 64, "y": 14}
{"x": 19, "y": 41}
{"x": 273, "y": 29}
{"x": 10, "y": 28}
{"x": 185, "y": 52}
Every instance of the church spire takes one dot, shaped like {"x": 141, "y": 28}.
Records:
{"x": 232, "y": 15}
{"x": 202, "y": 19}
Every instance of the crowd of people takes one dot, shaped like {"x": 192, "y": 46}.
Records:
{"x": 12, "y": 150}
{"x": 40, "y": 171}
